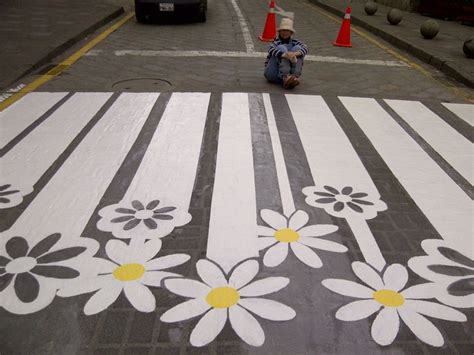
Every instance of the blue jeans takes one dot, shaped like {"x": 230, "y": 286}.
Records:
{"x": 277, "y": 68}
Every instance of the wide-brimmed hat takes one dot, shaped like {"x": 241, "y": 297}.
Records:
{"x": 286, "y": 24}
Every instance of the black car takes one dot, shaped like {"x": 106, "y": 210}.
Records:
{"x": 146, "y": 10}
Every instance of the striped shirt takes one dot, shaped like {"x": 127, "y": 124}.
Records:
{"x": 273, "y": 51}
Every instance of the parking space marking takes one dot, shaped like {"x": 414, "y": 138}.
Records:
{"x": 232, "y": 54}
{"x": 244, "y": 27}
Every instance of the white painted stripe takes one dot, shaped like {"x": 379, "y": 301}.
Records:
{"x": 463, "y": 111}
{"x": 31, "y": 157}
{"x": 67, "y": 202}
{"x": 243, "y": 25}
{"x": 233, "y": 222}
{"x": 20, "y": 115}
{"x": 334, "y": 162}
{"x": 282, "y": 174}
{"x": 443, "y": 202}
{"x": 447, "y": 142}
{"x": 231, "y": 54}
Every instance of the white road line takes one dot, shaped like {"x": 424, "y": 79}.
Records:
{"x": 463, "y": 111}
{"x": 287, "y": 201}
{"x": 67, "y": 202}
{"x": 442, "y": 201}
{"x": 233, "y": 54}
{"x": 245, "y": 29}
{"x": 446, "y": 141}
{"x": 31, "y": 157}
{"x": 334, "y": 162}
{"x": 233, "y": 223}
{"x": 168, "y": 170}
{"x": 19, "y": 116}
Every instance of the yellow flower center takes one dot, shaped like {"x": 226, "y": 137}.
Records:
{"x": 129, "y": 272}
{"x": 287, "y": 235}
{"x": 222, "y": 297}
{"x": 389, "y": 298}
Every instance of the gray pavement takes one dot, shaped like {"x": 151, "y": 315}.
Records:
{"x": 444, "y": 52}
{"x": 32, "y": 33}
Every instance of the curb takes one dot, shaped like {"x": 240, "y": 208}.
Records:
{"x": 419, "y": 53}
{"x": 69, "y": 43}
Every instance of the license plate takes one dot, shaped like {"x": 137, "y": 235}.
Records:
{"x": 166, "y": 7}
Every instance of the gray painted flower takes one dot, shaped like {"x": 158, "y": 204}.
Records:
{"x": 346, "y": 197}
{"x": 132, "y": 217}
{"x": 5, "y": 191}
{"x": 22, "y": 265}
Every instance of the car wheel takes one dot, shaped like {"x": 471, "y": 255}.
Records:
{"x": 202, "y": 16}
{"x": 141, "y": 16}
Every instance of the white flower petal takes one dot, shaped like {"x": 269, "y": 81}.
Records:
{"x": 210, "y": 273}
{"x": 246, "y": 326}
{"x": 386, "y": 326}
{"x": 243, "y": 274}
{"x": 264, "y": 286}
{"x": 395, "y": 277}
{"x": 435, "y": 310}
{"x": 154, "y": 278}
{"x": 265, "y": 242}
{"x": 166, "y": 262}
{"x": 275, "y": 255}
{"x": 323, "y": 244}
{"x": 348, "y": 288}
{"x": 122, "y": 253}
{"x": 208, "y": 327}
{"x": 147, "y": 251}
{"x": 357, "y": 310}
{"x": 117, "y": 251}
{"x": 306, "y": 255}
{"x": 268, "y": 309}
{"x": 140, "y": 297}
{"x": 368, "y": 275}
{"x": 187, "y": 287}
{"x": 298, "y": 220}
{"x": 426, "y": 290}
{"x": 421, "y": 327}
{"x": 274, "y": 219}
{"x": 81, "y": 286}
{"x": 185, "y": 310}
{"x": 317, "y": 230}
{"x": 265, "y": 231}
{"x": 102, "y": 299}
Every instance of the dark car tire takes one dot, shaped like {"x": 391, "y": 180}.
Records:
{"x": 140, "y": 16}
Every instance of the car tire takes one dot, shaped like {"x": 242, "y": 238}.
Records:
{"x": 140, "y": 16}
{"x": 202, "y": 16}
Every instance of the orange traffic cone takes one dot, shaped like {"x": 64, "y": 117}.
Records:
{"x": 344, "y": 36}
{"x": 269, "y": 32}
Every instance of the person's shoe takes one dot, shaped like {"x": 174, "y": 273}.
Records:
{"x": 288, "y": 81}
{"x": 296, "y": 81}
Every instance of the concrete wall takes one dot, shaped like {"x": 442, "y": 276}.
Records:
{"x": 406, "y": 5}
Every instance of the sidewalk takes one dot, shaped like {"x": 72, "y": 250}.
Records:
{"x": 443, "y": 52}
{"x": 34, "y": 32}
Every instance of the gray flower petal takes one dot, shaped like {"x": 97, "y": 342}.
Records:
{"x": 60, "y": 255}
{"x": 456, "y": 256}
{"x": 451, "y": 270}
{"x": 17, "y": 247}
{"x": 3, "y": 260}
{"x": 131, "y": 224}
{"x": 359, "y": 195}
{"x": 338, "y": 206}
{"x": 44, "y": 245}
{"x": 164, "y": 210}
{"x": 152, "y": 204}
{"x": 355, "y": 207}
{"x": 55, "y": 271}
{"x": 362, "y": 202}
{"x": 26, "y": 287}
{"x": 4, "y": 200}
{"x": 138, "y": 205}
{"x": 325, "y": 194}
{"x": 122, "y": 219}
{"x": 463, "y": 287}
{"x": 150, "y": 223}
{"x": 347, "y": 190}
{"x": 331, "y": 189}
{"x": 11, "y": 192}
{"x": 125, "y": 210}
{"x": 5, "y": 281}
{"x": 326, "y": 200}
{"x": 165, "y": 217}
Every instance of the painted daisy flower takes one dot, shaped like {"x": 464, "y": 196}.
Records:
{"x": 344, "y": 202}
{"x": 220, "y": 298}
{"x": 388, "y": 296}
{"x": 12, "y": 195}
{"x": 132, "y": 270}
{"x": 136, "y": 219}
{"x": 293, "y": 233}
{"x": 449, "y": 269}
{"x": 31, "y": 272}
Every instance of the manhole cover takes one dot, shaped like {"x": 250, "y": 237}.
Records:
{"x": 142, "y": 84}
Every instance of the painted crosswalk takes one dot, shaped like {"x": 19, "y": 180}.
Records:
{"x": 76, "y": 143}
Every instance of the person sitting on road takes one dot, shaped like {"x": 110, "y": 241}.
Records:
{"x": 285, "y": 57}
